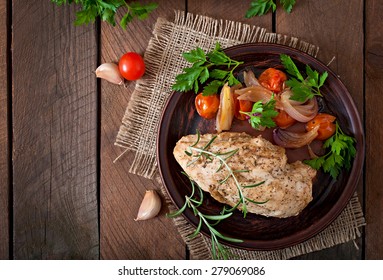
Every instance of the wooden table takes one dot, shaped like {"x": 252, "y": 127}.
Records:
{"x": 61, "y": 195}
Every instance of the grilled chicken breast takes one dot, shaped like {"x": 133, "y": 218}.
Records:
{"x": 287, "y": 188}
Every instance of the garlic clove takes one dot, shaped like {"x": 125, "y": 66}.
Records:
{"x": 110, "y": 72}
{"x": 150, "y": 206}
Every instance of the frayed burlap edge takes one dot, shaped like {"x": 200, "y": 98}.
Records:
{"x": 140, "y": 122}
{"x": 139, "y": 125}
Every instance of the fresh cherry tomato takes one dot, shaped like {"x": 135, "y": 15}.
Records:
{"x": 131, "y": 66}
{"x": 241, "y": 106}
{"x": 273, "y": 79}
{"x": 207, "y": 106}
{"x": 283, "y": 120}
{"x": 326, "y": 125}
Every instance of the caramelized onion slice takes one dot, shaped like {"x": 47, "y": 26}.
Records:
{"x": 226, "y": 109}
{"x": 301, "y": 111}
{"x": 250, "y": 79}
{"x": 289, "y": 139}
{"x": 254, "y": 94}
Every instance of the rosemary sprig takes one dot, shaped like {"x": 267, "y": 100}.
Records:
{"x": 223, "y": 157}
{"x": 218, "y": 250}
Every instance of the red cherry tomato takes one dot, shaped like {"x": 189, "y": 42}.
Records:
{"x": 131, "y": 66}
{"x": 326, "y": 125}
{"x": 273, "y": 79}
{"x": 283, "y": 120}
{"x": 207, "y": 106}
{"x": 241, "y": 106}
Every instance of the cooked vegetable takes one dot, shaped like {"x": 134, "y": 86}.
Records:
{"x": 273, "y": 79}
{"x": 303, "y": 88}
{"x": 131, "y": 66}
{"x": 290, "y": 139}
{"x": 262, "y": 114}
{"x": 226, "y": 109}
{"x": 300, "y": 111}
{"x": 341, "y": 154}
{"x": 283, "y": 120}
{"x": 326, "y": 125}
{"x": 254, "y": 94}
{"x": 207, "y": 106}
{"x": 110, "y": 72}
{"x": 107, "y": 10}
{"x": 262, "y": 7}
{"x": 241, "y": 106}
{"x": 250, "y": 79}
{"x": 205, "y": 66}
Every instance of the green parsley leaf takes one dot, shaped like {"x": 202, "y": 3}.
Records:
{"x": 342, "y": 152}
{"x": 262, "y": 114}
{"x": 262, "y": 7}
{"x": 214, "y": 65}
{"x": 288, "y": 5}
{"x": 106, "y": 10}
{"x": 303, "y": 89}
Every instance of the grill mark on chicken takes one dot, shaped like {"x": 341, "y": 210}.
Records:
{"x": 287, "y": 188}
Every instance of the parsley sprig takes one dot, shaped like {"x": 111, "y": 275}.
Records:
{"x": 262, "y": 114}
{"x": 215, "y": 65}
{"x": 341, "y": 153}
{"x": 262, "y": 7}
{"x": 303, "y": 88}
{"x": 107, "y": 10}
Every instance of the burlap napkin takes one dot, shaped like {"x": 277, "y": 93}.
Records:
{"x": 139, "y": 125}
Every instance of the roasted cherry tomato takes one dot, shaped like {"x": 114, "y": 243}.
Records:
{"x": 325, "y": 123}
{"x": 207, "y": 106}
{"x": 273, "y": 79}
{"x": 131, "y": 66}
{"x": 242, "y": 106}
{"x": 283, "y": 120}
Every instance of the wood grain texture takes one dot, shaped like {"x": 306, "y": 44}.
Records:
{"x": 55, "y": 134}
{"x": 227, "y": 10}
{"x": 4, "y": 140}
{"x": 374, "y": 108}
{"x": 338, "y": 34}
{"x": 121, "y": 193}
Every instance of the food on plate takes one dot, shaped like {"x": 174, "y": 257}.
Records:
{"x": 226, "y": 109}
{"x": 131, "y": 66}
{"x": 284, "y": 120}
{"x": 326, "y": 125}
{"x": 273, "y": 79}
{"x": 269, "y": 185}
{"x": 207, "y": 106}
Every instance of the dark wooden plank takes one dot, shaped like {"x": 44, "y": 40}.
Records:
{"x": 121, "y": 192}
{"x": 4, "y": 141}
{"x": 337, "y": 28}
{"x": 230, "y": 11}
{"x": 55, "y": 134}
{"x": 374, "y": 133}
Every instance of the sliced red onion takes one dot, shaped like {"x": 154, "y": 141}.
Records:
{"x": 250, "y": 79}
{"x": 290, "y": 139}
{"x": 301, "y": 111}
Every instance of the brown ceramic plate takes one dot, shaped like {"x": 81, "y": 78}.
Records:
{"x": 257, "y": 232}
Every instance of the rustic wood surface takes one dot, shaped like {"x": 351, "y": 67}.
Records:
{"x": 4, "y": 135}
{"x": 61, "y": 195}
{"x": 373, "y": 116}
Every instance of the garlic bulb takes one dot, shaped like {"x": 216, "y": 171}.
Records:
{"x": 110, "y": 72}
{"x": 150, "y": 206}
